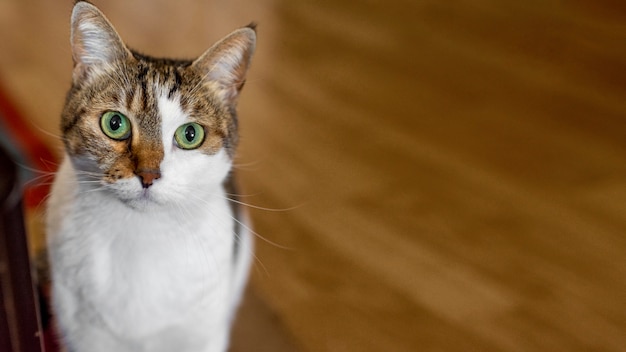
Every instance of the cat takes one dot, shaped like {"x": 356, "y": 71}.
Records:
{"x": 147, "y": 252}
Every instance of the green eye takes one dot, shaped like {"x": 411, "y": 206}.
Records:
{"x": 189, "y": 136}
{"x": 115, "y": 125}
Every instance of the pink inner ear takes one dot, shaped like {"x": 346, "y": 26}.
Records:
{"x": 226, "y": 63}
{"x": 230, "y": 74}
{"x": 94, "y": 40}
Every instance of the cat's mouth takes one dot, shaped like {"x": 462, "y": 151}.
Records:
{"x": 135, "y": 196}
{"x": 146, "y": 197}
{"x": 145, "y": 200}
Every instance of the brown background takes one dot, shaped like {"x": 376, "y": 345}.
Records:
{"x": 448, "y": 175}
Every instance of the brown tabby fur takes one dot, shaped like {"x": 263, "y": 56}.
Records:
{"x": 131, "y": 89}
{"x": 129, "y": 86}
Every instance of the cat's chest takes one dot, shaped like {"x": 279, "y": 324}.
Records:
{"x": 143, "y": 273}
{"x": 146, "y": 290}
{"x": 157, "y": 249}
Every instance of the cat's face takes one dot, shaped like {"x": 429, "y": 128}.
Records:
{"x": 151, "y": 131}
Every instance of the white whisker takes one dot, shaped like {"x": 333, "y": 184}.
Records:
{"x": 263, "y": 208}
{"x": 242, "y": 224}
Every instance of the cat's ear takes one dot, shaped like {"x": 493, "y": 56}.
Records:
{"x": 95, "y": 43}
{"x": 225, "y": 64}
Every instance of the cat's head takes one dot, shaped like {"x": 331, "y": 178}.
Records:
{"x": 151, "y": 130}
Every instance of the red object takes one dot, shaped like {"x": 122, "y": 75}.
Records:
{"x": 34, "y": 153}
{"x": 30, "y": 146}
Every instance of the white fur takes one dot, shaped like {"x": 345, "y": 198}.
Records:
{"x": 147, "y": 271}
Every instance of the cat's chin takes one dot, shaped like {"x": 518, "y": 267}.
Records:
{"x": 143, "y": 202}
{"x": 137, "y": 198}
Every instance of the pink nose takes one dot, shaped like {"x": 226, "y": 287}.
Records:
{"x": 148, "y": 176}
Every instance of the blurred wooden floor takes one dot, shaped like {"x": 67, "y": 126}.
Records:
{"x": 458, "y": 169}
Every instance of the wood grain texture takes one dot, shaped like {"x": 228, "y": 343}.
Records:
{"x": 452, "y": 175}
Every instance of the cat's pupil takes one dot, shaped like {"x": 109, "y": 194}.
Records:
{"x": 190, "y": 133}
{"x": 115, "y": 123}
